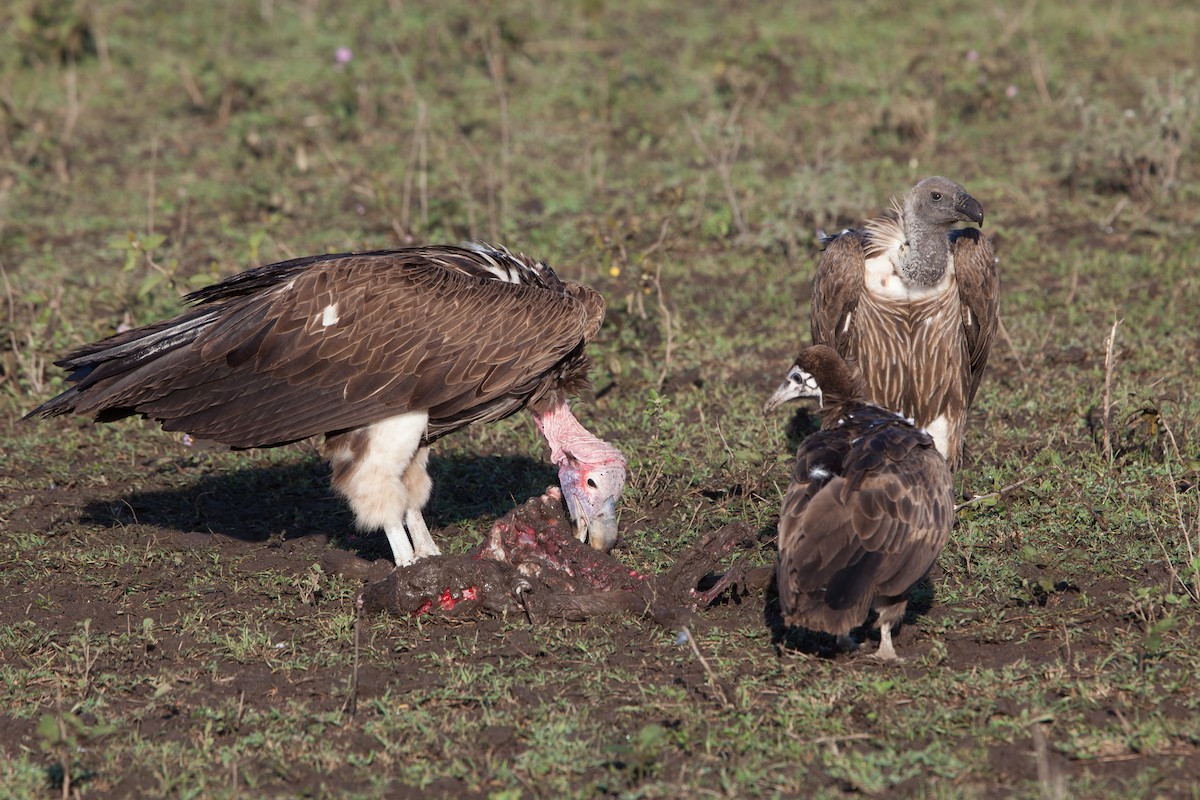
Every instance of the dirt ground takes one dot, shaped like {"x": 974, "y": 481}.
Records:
{"x": 1023, "y": 632}
{"x": 178, "y": 620}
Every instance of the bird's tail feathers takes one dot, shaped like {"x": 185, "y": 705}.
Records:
{"x": 113, "y": 358}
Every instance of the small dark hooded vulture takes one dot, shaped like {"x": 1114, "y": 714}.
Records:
{"x": 913, "y": 303}
{"x": 383, "y": 353}
{"x": 869, "y": 508}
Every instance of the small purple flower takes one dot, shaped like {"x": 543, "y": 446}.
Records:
{"x": 342, "y": 56}
{"x": 1010, "y": 92}
{"x": 972, "y": 56}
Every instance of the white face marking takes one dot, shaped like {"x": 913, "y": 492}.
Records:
{"x": 330, "y": 315}
{"x": 805, "y": 382}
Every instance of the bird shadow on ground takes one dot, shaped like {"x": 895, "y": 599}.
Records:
{"x": 803, "y": 423}
{"x": 291, "y": 501}
{"x": 795, "y": 639}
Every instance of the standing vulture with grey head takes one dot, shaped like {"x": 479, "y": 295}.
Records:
{"x": 384, "y": 353}
{"x": 913, "y": 303}
{"x": 869, "y": 508}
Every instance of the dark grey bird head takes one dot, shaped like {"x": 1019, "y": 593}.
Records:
{"x": 940, "y": 202}
{"x": 932, "y": 208}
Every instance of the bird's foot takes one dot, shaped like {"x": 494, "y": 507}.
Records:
{"x": 886, "y": 651}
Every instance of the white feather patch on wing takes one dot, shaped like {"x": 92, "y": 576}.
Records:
{"x": 495, "y": 258}
{"x": 330, "y": 315}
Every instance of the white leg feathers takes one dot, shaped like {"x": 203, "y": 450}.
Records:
{"x": 419, "y": 486}
{"x": 887, "y": 650}
{"x": 380, "y": 470}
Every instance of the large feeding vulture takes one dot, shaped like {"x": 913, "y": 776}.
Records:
{"x": 384, "y": 353}
{"x": 913, "y": 302}
{"x": 868, "y": 510}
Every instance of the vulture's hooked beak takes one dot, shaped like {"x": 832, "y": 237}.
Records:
{"x": 599, "y": 530}
{"x": 970, "y": 208}
{"x": 782, "y": 395}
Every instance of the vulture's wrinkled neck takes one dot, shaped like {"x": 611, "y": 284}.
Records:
{"x": 568, "y": 439}
{"x": 928, "y": 250}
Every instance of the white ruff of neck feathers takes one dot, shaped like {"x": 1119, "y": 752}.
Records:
{"x": 568, "y": 438}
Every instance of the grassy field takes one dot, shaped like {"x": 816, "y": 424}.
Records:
{"x": 164, "y": 628}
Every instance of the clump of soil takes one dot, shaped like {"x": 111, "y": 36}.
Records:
{"x": 532, "y": 564}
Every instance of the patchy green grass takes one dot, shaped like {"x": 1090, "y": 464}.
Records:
{"x": 165, "y": 632}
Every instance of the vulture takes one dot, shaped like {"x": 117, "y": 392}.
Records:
{"x": 868, "y": 510}
{"x": 382, "y": 352}
{"x": 912, "y": 302}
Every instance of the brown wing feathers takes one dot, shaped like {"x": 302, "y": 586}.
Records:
{"x": 836, "y": 288}
{"x": 314, "y": 345}
{"x": 979, "y": 291}
{"x": 866, "y": 514}
{"x": 869, "y": 507}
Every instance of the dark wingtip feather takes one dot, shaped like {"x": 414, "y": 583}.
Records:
{"x": 57, "y": 406}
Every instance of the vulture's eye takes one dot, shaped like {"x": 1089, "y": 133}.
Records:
{"x": 936, "y": 196}
{"x": 591, "y": 483}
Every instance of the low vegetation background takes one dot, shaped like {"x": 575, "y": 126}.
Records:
{"x": 164, "y": 631}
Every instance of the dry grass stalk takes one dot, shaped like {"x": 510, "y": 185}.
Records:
{"x": 713, "y": 680}
{"x": 724, "y": 160}
{"x": 418, "y": 170}
{"x": 29, "y": 362}
{"x": 1037, "y": 69}
{"x": 662, "y": 303}
{"x": 495, "y": 61}
{"x": 1110, "y": 359}
{"x": 1008, "y": 339}
{"x": 1190, "y": 532}
{"x": 1004, "y": 490}
{"x": 151, "y": 185}
{"x": 351, "y": 705}
{"x": 1051, "y": 779}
